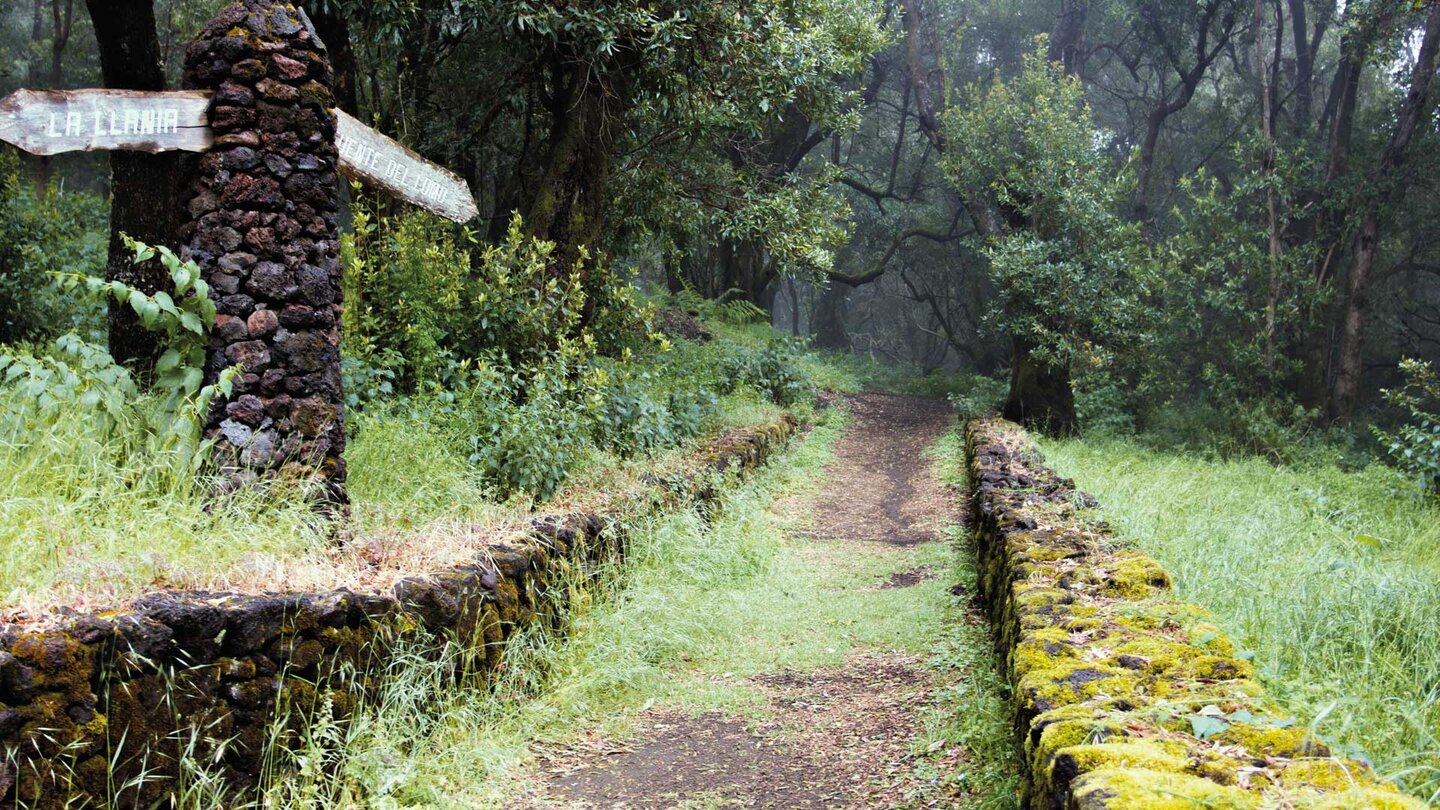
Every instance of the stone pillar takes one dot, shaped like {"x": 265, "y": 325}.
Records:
{"x": 262, "y": 227}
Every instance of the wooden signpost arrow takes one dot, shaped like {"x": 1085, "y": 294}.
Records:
{"x": 50, "y": 122}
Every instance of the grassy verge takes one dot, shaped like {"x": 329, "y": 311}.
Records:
{"x": 697, "y": 610}
{"x": 88, "y": 518}
{"x": 1329, "y": 578}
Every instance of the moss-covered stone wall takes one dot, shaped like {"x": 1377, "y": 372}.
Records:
{"x": 91, "y": 702}
{"x": 1127, "y": 698}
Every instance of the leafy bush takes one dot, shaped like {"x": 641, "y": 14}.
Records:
{"x": 76, "y": 374}
{"x": 522, "y": 440}
{"x": 421, "y": 296}
{"x": 630, "y": 418}
{"x": 636, "y": 414}
{"x": 1415, "y": 447}
{"x": 61, "y": 232}
{"x": 498, "y": 343}
{"x": 1103, "y": 404}
{"x": 983, "y": 395}
{"x": 689, "y": 411}
{"x": 405, "y": 279}
{"x": 775, "y": 370}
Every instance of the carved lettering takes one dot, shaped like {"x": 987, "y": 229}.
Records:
{"x": 48, "y": 122}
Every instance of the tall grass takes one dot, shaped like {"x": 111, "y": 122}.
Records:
{"x": 87, "y": 513}
{"x": 1331, "y": 579}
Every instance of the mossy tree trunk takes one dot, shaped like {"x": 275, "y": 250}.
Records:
{"x": 1040, "y": 394}
{"x": 570, "y": 200}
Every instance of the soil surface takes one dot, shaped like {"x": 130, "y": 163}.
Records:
{"x": 881, "y": 487}
{"x": 839, "y": 737}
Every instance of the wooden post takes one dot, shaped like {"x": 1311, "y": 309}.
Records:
{"x": 262, "y": 226}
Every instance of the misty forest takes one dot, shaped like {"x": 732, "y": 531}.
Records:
{"x": 985, "y": 404}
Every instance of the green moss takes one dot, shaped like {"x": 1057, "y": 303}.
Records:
{"x": 1268, "y": 741}
{"x": 1139, "y": 789}
{"x": 1151, "y": 755}
{"x": 1356, "y": 799}
{"x": 1030, "y": 596}
{"x": 1084, "y": 728}
{"x": 1327, "y": 774}
{"x": 1076, "y": 681}
{"x": 1040, "y": 649}
{"x": 1133, "y": 575}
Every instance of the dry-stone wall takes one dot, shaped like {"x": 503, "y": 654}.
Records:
{"x": 262, "y": 228}
{"x": 1127, "y": 698}
{"x": 92, "y": 701}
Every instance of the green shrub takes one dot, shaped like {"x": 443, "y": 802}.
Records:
{"x": 61, "y": 232}
{"x": 984, "y": 395}
{"x": 631, "y": 419}
{"x": 523, "y": 439}
{"x": 775, "y": 370}
{"x": 74, "y": 375}
{"x": 1415, "y": 447}
{"x": 405, "y": 278}
{"x": 689, "y": 411}
{"x": 1103, "y": 404}
{"x": 500, "y": 345}
{"x": 370, "y": 377}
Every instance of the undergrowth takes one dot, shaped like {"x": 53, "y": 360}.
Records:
{"x": 1330, "y": 578}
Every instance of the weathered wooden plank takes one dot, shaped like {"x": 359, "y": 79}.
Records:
{"x": 46, "y": 122}
{"x": 377, "y": 160}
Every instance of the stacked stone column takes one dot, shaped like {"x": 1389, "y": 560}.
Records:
{"x": 262, "y": 227}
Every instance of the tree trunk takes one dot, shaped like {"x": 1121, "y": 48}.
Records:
{"x": 570, "y": 202}
{"x": 1328, "y": 224}
{"x": 1153, "y": 123}
{"x": 1040, "y": 394}
{"x": 828, "y": 324}
{"x": 928, "y": 108}
{"x": 1272, "y": 203}
{"x": 1367, "y": 239}
{"x": 1304, "y": 67}
{"x": 793, "y": 291}
{"x": 1067, "y": 39}
{"x": 744, "y": 272}
{"x": 143, "y": 188}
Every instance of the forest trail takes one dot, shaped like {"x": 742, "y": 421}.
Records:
{"x": 841, "y": 736}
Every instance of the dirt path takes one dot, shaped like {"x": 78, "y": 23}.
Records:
{"x": 836, "y": 737}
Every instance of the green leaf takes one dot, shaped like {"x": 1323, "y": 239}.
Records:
{"x": 193, "y": 378}
{"x": 1204, "y": 726}
{"x": 1370, "y": 541}
{"x": 168, "y": 361}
